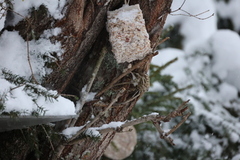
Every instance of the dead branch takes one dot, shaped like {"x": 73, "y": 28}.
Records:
{"x": 29, "y": 62}
{"x": 179, "y": 124}
{"x": 161, "y": 132}
{"x": 27, "y": 40}
{"x": 156, "y": 120}
{"x": 48, "y": 137}
{"x": 88, "y": 125}
{"x": 189, "y": 14}
{"x": 74, "y": 139}
{"x": 125, "y": 73}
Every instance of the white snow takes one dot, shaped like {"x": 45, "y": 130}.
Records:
{"x": 16, "y": 53}
{"x": 228, "y": 92}
{"x": 219, "y": 73}
{"x": 129, "y": 14}
{"x": 2, "y": 14}
{"x": 22, "y": 8}
{"x": 209, "y": 60}
{"x": 234, "y": 137}
{"x": 175, "y": 69}
{"x": 92, "y": 131}
{"x": 60, "y": 106}
{"x": 14, "y": 59}
{"x": 236, "y": 157}
{"x": 225, "y": 51}
{"x": 154, "y": 114}
{"x": 111, "y": 125}
{"x": 85, "y": 96}
{"x": 69, "y": 132}
{"x": 230, "y": 10}
{"x": 194, "y": 30}
{"x": 18, "y": 100}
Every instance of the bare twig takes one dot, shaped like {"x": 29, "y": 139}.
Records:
{"x": 48, "y": 137}
{"x": 11, "y": 89}
{"x": 156, "y": 119}
{"x": 29, "y": 62}
{"x": 88, "y": 125}
{"x": 28, "y": 51}
{"x": 179, "y": 124}
{"x": 189, "y": 14}
{"x": 163, "y": 40}
{"x": 82, "y": 100}
{"x": 95, "y": 71}
{"x": 161, "y": 132}
{"x": 179, "y": 7}
{"x": 178, "y": 112}
{"x": 152, "y": 117}
{"x": 89, "y": 86}
{"x": 125, "y": 73}
{"x": 69, "y": 95}
{"x": 133, "y": 122}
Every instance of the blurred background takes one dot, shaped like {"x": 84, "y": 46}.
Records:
{"x": 200, "y": 62}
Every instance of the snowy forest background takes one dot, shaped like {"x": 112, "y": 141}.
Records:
{"x": 206, "y": 71}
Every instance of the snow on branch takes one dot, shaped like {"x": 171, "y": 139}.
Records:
{"x": 155, "y": 118}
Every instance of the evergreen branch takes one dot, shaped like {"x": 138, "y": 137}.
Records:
{"x": 159, "y": 68}
{"x": 163, "y": 97}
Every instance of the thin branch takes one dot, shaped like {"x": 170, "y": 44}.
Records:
{"x": 178, "y": 125}
{"x": 151, "y": 117}
{"x": 189, "y": 14}
{"x": 11, "y": 89}
{"x": 125, "y": 73}
{"x": 155, "y": 118}
{"x": 179, "y": 7}
{"x": 69, "y": 95}
{"x": 88, "y": 125}
{"x": 28, "y": 52}
{"x": 161, "y": 132}
{"x": 72, "y": 122}
{"x": 178, "y": 112}
{"x": 29, "y": 62}
{"x": 89, "y": 86}
{"x": 96, "y": 69}
{"x": 192, "y": 15}
{"x": 48, "y": 137}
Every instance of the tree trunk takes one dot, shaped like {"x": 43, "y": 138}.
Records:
{"x": 83, "y": 38}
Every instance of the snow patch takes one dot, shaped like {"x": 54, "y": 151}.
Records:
{"x": 226, "y": 55}
{"x": 22, "y": 7}
{"x": 230, "y": 10}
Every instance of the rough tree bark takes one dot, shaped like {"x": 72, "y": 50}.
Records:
{"x": 83, "y": 37}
